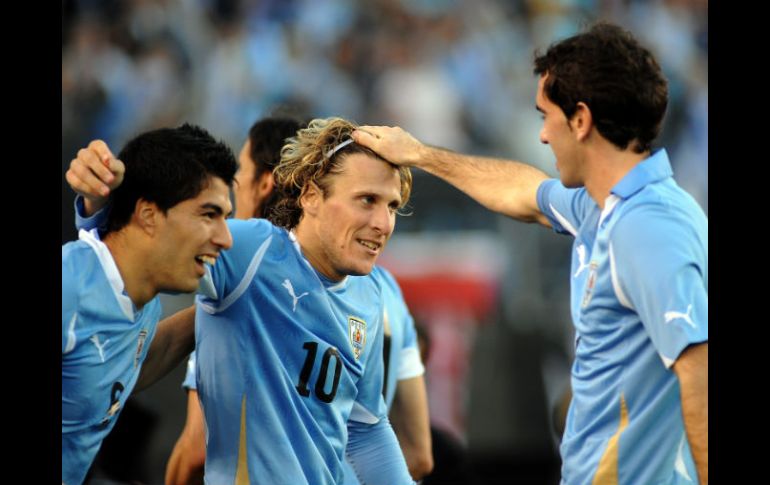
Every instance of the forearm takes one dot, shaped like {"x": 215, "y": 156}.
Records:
{"x": 411, "y": 423}
{"x": 503, "y": 186}
{"x": 692, "y": 370}
{"x": 374, "y": 454}
{"x": 186, "y": 464}
{"x": 174, "y": 340}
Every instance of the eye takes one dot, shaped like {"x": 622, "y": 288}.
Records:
{"x": 367, "y": 200}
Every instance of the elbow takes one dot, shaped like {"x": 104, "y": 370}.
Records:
{"x": 421, "y": 466}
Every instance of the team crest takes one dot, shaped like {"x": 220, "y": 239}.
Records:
{"x": 142, "y": 338}
{"x": 590, "y": 283}
{"x": 357, "y": 333}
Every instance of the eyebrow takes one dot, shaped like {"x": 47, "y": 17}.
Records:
{"x": 216, "y": 208}
{"x": 379, "y": 196}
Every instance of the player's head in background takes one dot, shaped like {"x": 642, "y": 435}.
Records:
{"x": 258, "y": 157}
{"x": 340, "y": 198}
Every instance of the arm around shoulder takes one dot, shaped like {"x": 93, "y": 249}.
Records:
{"x": 174, "y": 340}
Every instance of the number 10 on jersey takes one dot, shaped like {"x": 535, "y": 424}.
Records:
{"x": 320, "y": 385}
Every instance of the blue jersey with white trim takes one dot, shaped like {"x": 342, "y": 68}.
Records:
{"x": 403, "y": 359}
{"x": 285, "y": 359}
{"x": 639, "y": 297}
{"x": 104, "y": 342}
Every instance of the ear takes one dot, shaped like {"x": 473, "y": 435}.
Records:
{"x": 310, "y": 199}
{"x": 264, "y": 187}
{"x": 146, "y": 216}
{"x": 582, "y": 121}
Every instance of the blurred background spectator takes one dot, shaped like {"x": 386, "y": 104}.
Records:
{"x": 455, "y": 73}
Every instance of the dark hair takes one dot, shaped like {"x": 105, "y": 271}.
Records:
{"x": 167, "y": 166}
{"x": 618, "y": 79}
{"x": 306, "y": 159}
{"x": 266, "y": 138}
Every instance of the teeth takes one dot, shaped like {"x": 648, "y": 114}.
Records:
{"x": 370, "y": 245}
{"x": 207, "y": 259}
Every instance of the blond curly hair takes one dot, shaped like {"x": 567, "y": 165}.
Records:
{"x": 304, "y": 160}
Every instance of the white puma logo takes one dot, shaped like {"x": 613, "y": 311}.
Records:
{"x": 71, "y": 339}
{"x": 669, "y": 316}
{"x": 581, "y": 251}
{"x": 290, "y": 289}
{"x": 99, "y": 347}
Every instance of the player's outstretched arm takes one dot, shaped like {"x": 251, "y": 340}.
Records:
{"x": 503, "y": 186}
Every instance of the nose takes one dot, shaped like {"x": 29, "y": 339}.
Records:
{"x": 222, "y": 237}
{"x": 543, "y": 138}
{"x": 383, "y": 220}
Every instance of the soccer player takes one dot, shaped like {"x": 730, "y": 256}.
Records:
{"x": 166, "y": 219}
{"x": 289, "y": 338}
{"x": 403, "y": 367}
{"x": 639, "y": 278}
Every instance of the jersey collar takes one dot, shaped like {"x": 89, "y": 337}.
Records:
{"x": 652, "y": 169}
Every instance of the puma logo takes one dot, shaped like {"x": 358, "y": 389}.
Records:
{"x": 670, "y": 316}
{"x": 581, "y": 252}
{"x": 99, "y": 346}
{"x": 290, "y": 289}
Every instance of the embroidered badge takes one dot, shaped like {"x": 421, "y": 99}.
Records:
{"x": 139, "y": 347}
{"x": 357, "y": 333}
{"x": 590, "y": 283}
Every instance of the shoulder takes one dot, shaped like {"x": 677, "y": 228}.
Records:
{"x": 251, "y": 227}
{"x": 384, "y": 278}
{"x": 77, "y": 258}
{"x": 250, "y": 235}
{"x": 662, "y": 212}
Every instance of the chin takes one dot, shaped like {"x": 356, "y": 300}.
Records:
{"x": 186, "y": 287}
{"x": 570, "y": 183}
{"x": 361, "y": 269}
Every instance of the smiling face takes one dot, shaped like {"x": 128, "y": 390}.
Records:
{"x": 343, "y": 231}
{"x": 557, "y": 133}
{"x": 190, "y": 234}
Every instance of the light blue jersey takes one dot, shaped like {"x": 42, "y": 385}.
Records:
{"x": 289, "y": 368}
{"x": 104, "y": 342}
{"x": 403, "y": 359}
{"x": 639, "y": 297}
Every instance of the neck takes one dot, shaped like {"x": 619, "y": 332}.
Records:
{"x": 607, "y": 166}
{"x": 132, "y": 263}
{"x": 308, "y": 239}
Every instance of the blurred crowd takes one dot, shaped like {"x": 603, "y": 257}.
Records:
{"x": 456, "y": 73}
